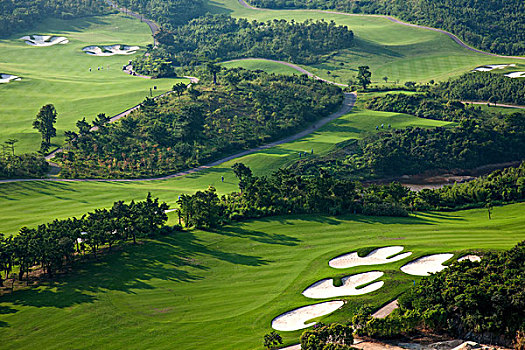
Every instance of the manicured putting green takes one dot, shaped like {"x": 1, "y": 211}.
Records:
{"x": 60, "y": 74}
{"x": 221, "y": 290}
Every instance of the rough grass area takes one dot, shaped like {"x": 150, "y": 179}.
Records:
{"x": 220, "y": 290}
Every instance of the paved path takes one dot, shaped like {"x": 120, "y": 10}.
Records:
{"x": 492, "y": 104}
{"x": 386, "y": 310}
{"x": 152, "y": 25}
{"x": 346, "y": 107}
{"x": 395, "y": 20}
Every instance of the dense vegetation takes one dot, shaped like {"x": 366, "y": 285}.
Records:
{"x": 169, "y": 13}
{"x": 29, "y": 165}
{"x": 480, "y": 136}
{"x": 483, "y": 86}
{"x": 199, "y": 125}
{"x": 423, "y": 106}
{"x": 18, "y": 15}
{"x": 334, "y": 336}
{"x": 285, "y": 192}
{"x": 478, "y": 300}
{"x": 471, "y": 144}
{"x": 222, "y": 37}
{"x": 497, "y": 25}
{"x": 54, "y": 245}
{"x": 481, "y": 139}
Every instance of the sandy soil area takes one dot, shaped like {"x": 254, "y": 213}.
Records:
{"x": 426, "y": 265}
{"x": 44, "y": 40}
{"x": 378, "y": 256}
{"x": 295, "y": 319}
{"x": 325, "y": 289}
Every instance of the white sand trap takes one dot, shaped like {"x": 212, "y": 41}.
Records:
{"x": 426, "y": 265}
{"x": 44, "y": 40}
{"x": 7, "y": 78}
{"x": 515, "y": 75}
{"x": 325, "y": 288}
{"x": 376, "y": 257}
{"x": 491, "y": 67}
{"x": 295, "y": 319}
{"x": 471, "y": 257}
{"x": 110, "y": 50}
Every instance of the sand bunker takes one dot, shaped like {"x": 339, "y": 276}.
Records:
{"x": 7, "y": 78}
{"x": 426, "y": 265}
{"x": 516, "y": 75}
{"x": 110, "y": 50}
{"x": 325, "y": 288}
{"x": 378, "y": 256}
{"x": 295, "y": 319}
{"x": 471, "y": 257}
{"x": 491, "y": 67}
{"x": 44, "y": 40}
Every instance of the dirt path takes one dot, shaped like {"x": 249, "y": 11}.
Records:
{"x": 395, "y": 20}
{"x": 346, "y": 107}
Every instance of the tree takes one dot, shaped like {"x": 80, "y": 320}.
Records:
{"x": 385, "y": 78}
{"x": 70, "y": 137}
{"x": 194, "y": 93}
{"x": 243, "y": 173}
{"x": 272, "y": 340}
{"x": 6, "y": 257}
{"x": 364, "y": 76}
{"x": 11, "y": 143}
{"x": 83, "y": 126}
{"x": 213, "y": 69}
{"x": 44, "y": 123}
{"x": 233, "y": 79}
{"x": 101, "y": 120}
{"x": 179, "y": 89}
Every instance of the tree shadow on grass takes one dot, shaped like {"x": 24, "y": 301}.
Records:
{"x": 4, "y": 310}
{"x": 13, "y": 191}
{"x": 258, "y": 236}
{"x": 128, "y": 269}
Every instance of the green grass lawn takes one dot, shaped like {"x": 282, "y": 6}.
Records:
{"x": 220, "y": 290}
{"x": 32, "y": 203}
{"x": 60, "y": 75}
{"x": 401, "y": 53}
{"x": 267, "y": 66}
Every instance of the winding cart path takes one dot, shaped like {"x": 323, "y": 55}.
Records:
{"x": 390, "y": 18}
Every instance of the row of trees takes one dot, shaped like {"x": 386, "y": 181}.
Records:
{"x": 285, "y": 192}
{"x": 196, "y": 125}
{"x": 483, "y": 301}
{"x": 19, "y": 15}
{"x": 53, "y": 246}
{"x": 169, "y": 13}
{"x": 223, "y": 37}
{"x": 483, "y": 86}
{"x": 497, "y": 26}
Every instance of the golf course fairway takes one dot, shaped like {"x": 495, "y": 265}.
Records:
{"x": 221, "y": 290}
{"x": 60, "y": 74}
